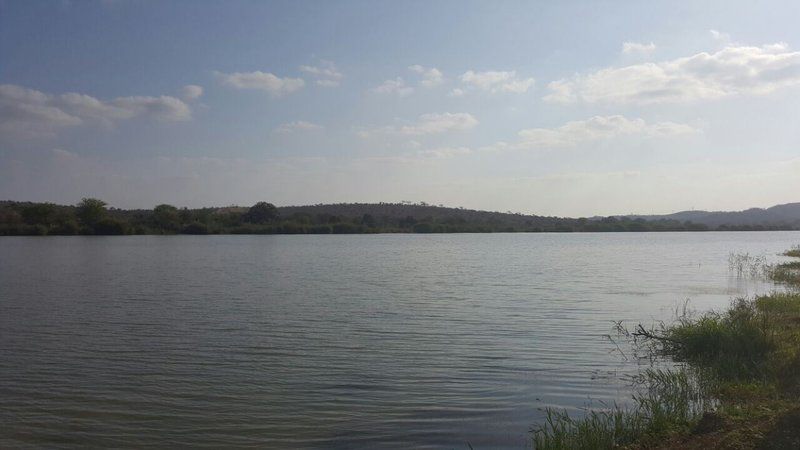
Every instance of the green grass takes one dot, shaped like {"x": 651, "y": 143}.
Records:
{"x": 788, "y": 273}
{"x": 740, "y": 365}
{"x": 793, "y": 252}
{"x": 669, "y": 402}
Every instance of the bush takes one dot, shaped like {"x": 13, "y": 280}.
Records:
{"x": 195, "y": 228}
{"x": 110, "y": 226}
{"x": 345, "y": 228}
{"x": 69, "y": 227}
{"x": 733, "y": 345}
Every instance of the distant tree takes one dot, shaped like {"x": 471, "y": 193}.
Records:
{"x": 110, "y": 225}
{"x": 261, "y": 212}
{"x": 9, "y": 216}
{"x": 195, "y": 228}
{"x": 39, "y": 213}
{"x": 90, "y": 211}
{"x": 368, "y": 220}
{"x": 409, "y": 221}
{"x": 166, "y": 217}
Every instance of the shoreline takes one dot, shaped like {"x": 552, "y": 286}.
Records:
{"x": 735, "y": 382}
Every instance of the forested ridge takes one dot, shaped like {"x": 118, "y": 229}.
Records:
{"x": 94, "y": 217}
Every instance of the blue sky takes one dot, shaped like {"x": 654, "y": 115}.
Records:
{"x": 559, "y": 108}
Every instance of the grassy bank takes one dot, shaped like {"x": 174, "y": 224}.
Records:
{"x": 735, "y": 385}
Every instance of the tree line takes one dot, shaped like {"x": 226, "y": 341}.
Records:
{"x": 92, "y": 216}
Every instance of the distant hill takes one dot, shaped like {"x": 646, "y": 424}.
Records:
{"x": 424, "y": 212}
{"x": 26, "y": 218}
{"x": 787, "y": 215}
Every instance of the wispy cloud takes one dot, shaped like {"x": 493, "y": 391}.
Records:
{"x": 731, "y": 71}
{"x": 325, "y": 72}
{"x": 629, "y": 48}
{"x": 444, "y": 152}
{"x": 719, "y": 36}
{"x": 191, "y": 92}
{"x": 428, "y": 124}
{"x": 431, "y": 76}
{"x": 497, "y": 81}
{"x": 397, "y": 87}
{"x": 297, "y": 126}
{"x": 592, "y": 130}
{"x": 30, "y": 113}
{"x": 263, "y": 81}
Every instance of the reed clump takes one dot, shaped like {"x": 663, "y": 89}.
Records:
{"x": 667, "y": 401}
{"x": 794, "y": 252}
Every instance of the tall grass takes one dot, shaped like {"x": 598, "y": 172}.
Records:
{"x": 730, "y": 345}
{"x": 745, "y": 264}
{"x": 793, "y": 252}
{"x": 752, "y": 347}
{"x": 788, "y": 273}
{"x": 668, "y": 401}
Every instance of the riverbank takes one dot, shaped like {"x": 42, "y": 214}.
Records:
{"x": 735, "y": 385}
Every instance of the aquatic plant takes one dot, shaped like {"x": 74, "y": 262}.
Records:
{"x": 746, "y": 265}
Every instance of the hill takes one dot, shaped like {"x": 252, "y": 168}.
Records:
{"x": 783, "y": 216}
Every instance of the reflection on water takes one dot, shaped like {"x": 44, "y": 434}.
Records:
{"x": 373, "y": 341}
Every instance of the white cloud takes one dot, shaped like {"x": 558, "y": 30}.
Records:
{"x": 497, "y": 82}
{"x": 456, "y": 93}
{"x": 637, "y": 48}
{"x": 730, "y": 71}
{"x": 720, "y": 36}
{"x": 298, "y": 126}
{"x": 191, "y": 92}
{"x": 440, "y": 123}
{"x": 444, "y": 152}
{"x": 594, "y": 129}
{"x": 163, "y": 108}
{"x": 428, "y": 124}
{"x": 263, "y": 81}
{"x": 29, "y": 113}
{"x": 328, "y": 83}
{"x": 397, "y": 86}
{"x": 326, "y": 73}
{"x": 431, "y": 76}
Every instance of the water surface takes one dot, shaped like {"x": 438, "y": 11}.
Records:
{"x": 371, "y": 341}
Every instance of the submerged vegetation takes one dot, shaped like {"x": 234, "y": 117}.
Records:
{"x": 92, "y": 216}
{"x": 734, "y": 383}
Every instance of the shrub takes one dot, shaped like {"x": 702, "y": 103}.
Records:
{"x": 195, "y": 228}
{"x": 110, "y": 226}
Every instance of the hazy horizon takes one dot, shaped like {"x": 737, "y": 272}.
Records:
{"x": 570, "y": 109}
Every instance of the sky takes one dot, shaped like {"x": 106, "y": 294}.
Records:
{"x": 563, "y": 108}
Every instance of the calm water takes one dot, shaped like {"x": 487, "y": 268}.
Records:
{"x": 371, "y": 341}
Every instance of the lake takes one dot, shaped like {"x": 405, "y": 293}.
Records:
{"x": 361, "y": 341}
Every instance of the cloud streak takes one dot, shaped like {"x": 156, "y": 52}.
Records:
{"x": 629, "y": 48}
{"x": 497, "y": 81}
{"x": 428, "y": 124}
{"x": 734, "y": 70}
{"x": 29, "y": 113}
{"x": 592, "y": 130}
{"x": 262, "y": 81}
{"x": 326, "y": 73}
{"x": 396, "y": 86}
{"x": 299, "y": 126}
{"x": 431, "y": 76}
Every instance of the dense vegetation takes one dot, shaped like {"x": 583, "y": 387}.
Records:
{"x": 735, "y": 385}
{"x": 92, "y": 216}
